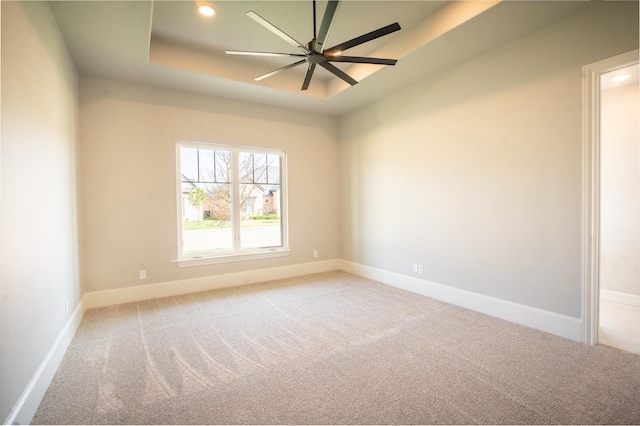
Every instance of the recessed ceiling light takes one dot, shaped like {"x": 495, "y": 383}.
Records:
{"x": 621, "y": 77}
{"x": 205, "y": 9}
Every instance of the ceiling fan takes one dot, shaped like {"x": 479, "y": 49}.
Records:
{"x": 314, "y": 52}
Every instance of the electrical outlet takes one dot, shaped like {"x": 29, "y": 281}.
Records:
{"x": 315, "y": 253}
{"x": 420, "y": 269}
{"x": 415, "y": 267}
{"x": 143, "y": 274}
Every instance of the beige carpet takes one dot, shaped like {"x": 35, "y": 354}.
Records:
{"x": 330, "y": 348}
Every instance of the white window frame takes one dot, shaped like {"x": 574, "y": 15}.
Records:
{"x": 236, "y": 253}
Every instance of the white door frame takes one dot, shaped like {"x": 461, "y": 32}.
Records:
{"x": 591, "y": 188}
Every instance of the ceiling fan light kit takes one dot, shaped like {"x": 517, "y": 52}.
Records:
{"x": 314, "y": 53}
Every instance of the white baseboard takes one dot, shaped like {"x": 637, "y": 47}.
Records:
{"x": 117, "y": 296}
{"x": 616, "y": 296}
{"x": 539, "y": 319}
{"x": 30, "y": 399}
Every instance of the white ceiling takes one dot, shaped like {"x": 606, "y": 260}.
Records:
{"x": 168, "y": 44}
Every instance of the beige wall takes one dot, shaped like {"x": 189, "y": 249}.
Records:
{"x": 620, "y": 190}
{"x": 128, "y": 135}
{"x": 476, "y": 173}
{"x": 39, "y": 240}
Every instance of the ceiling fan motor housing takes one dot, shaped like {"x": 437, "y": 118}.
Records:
{"x": 315, "y": 58}
{"x": 314, "y": 52}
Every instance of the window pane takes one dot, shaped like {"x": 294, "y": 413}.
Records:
{"x": 273, "y": 169}
{"x": 189, "y": 164}
{"x": 246, "y": 167}
{"x": 223, "y": 167}
{"x": 207, "y": 228}
{"x": 260, "y": 168}
{"x": 206, "y": 207}
{"x": 206, "y": 161}
{"x": 261, "y": 220}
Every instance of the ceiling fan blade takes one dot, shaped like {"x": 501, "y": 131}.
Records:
{"x": 361, "y": 60}
{"x": 307, "y": 77}
{"x": 250, "y": 53}
{"x": 315, "y": 31}
{"x": 364, "y": 38}
{"x": 277, "y": 31}
{"x": 327, "y": 23}
{"x": 338, "y": 72}
{"x": 269, "y": 74}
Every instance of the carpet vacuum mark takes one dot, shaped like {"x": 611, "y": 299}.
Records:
{"x": 329, "y": 348}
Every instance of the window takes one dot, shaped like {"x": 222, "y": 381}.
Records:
{"x": 232, "y": 203}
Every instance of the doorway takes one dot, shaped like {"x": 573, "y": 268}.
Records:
{"x": 619, "y": 301}
{"x": 611, "y": 203}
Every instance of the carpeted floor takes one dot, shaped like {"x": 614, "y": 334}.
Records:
{"x": 330, "y": 348}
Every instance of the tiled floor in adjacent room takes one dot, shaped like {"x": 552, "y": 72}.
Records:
{"x": 620, "y": 326}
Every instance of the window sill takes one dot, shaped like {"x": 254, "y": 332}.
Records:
{"x": 235, "y": 257}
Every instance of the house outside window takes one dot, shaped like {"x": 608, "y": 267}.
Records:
{"x": 232, "y": 203}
